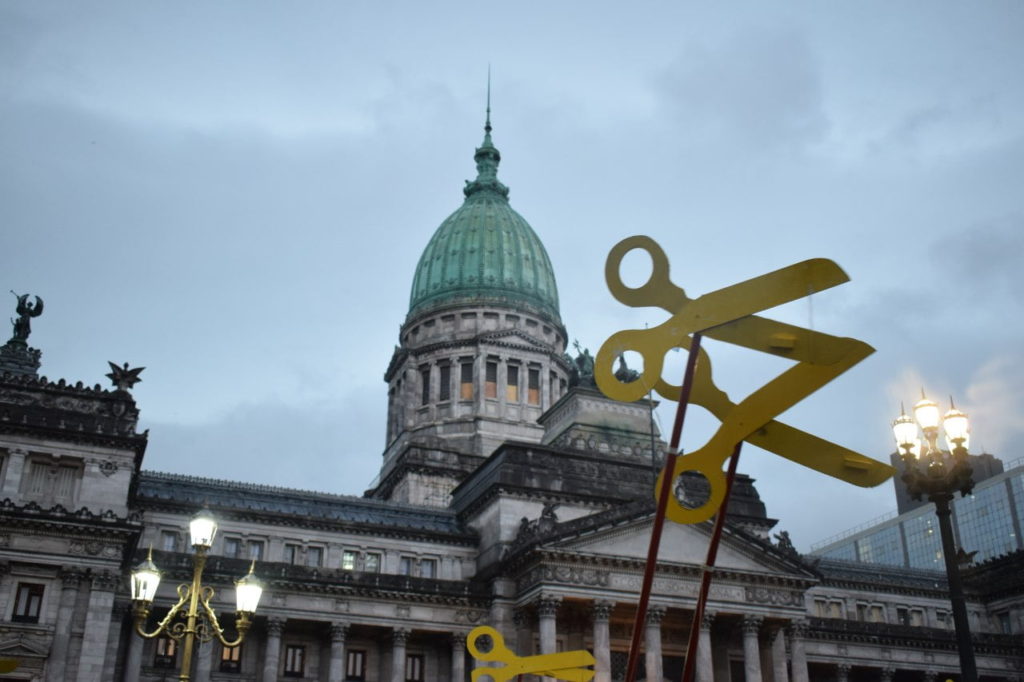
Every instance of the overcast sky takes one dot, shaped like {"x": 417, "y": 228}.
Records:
{"x": 235, "y": 195}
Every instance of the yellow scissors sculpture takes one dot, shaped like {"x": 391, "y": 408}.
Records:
{"x": 728, "y": 315}
{"x": 567, "y": 665}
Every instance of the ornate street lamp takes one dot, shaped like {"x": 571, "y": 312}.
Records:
{"x": 199, "y": 620}
{"x": 932, "y": 472}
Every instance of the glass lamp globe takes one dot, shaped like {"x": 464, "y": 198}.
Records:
{"x": 905, "y": 431}
{"x": 145, "y": 580}
{"x": 202, "y": 528}
{"x": 927, "y": 414}
{"x": 248, "y": 590}
{"x": 957, "y": 428}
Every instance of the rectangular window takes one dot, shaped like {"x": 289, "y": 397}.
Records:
{"x": 512, "y": 386}
{"x": 876, "y": 615}
{"x": 231, "y": 659}
{"x": 405, "y": 566}
{"x": 466, "y": 381}
{"x": 917, "y": 618}
{"x": 428, "y": 568}
{"x": 166, "y": 653}
{"x": 256, "y": 550}
{"x": 491, "y": 380}
{"x": 553, "y": 383}
{"x": 425, "y": 386}
{"x": 355, "y": 665}
{"x": 168, "y": 541}
{"x": 232, "y": 547}
{"x": 372, "y": 563}
{"x": 835, "y": 609}
{"x": 348, "y": 560}
{"x": 49, "y": 481}
{"x": 294, "y": 660}
{"x": 444, "y": 389}
{"x": 533, "y": 386}
{"x": 292, "y": 553}
{"x": 414, "y": 668}
{"x": 314, "y": 556}
{"x": 27, "y": 603}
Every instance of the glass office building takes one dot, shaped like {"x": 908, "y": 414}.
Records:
{"x": 988, "y": 522}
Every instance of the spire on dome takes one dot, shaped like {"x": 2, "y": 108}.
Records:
{"x": 487, "y": 158}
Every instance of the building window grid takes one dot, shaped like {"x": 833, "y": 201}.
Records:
{"x": 314, "y": 556}
{"x": 348, "y": 560}
{"x": 232, "y": 547}
{"x": 924, "y": 545}
{"x": 371, "y": 564}
{"x": 881, "y": 547}
{"x": 491, "y": 379}
{"x": 466, "y": 381}
{"x": 166, "y": 653}
{"x": 424, "y": 385}
{"x": 428, "y": 568}
{"x": 985, "y": 523}
{"x": 512, "y": 385}
{"x": 533, "y": 386}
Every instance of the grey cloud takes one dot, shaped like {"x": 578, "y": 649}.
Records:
{"x": 761, "y": 88}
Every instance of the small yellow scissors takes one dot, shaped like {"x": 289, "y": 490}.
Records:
{"x": 568, "y": 665}
{"x": 728, "y": 315}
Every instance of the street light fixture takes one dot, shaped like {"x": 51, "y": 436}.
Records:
{"x": 199, "y": 620}
{"x": 931, "y": 472}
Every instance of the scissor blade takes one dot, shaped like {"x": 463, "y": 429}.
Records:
{"x": 560, "y": 661}
{"x": 759, "y": 293}
{"x": 570, "y": 674}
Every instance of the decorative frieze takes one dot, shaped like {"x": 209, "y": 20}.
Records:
{"x": 775, "y": 597}
{"x": 571, "y": 575}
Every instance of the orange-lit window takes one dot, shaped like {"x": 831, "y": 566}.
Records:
{"x": 533, "y": 386}
{"x": 466, "y": 381}
{"x": 491, "y": 380}
{"x": 512, "y": 387}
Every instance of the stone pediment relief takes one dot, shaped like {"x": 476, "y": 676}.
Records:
{"x": 680, "y": 544}
{"x": 512, "y": 337}
{"x": 22, "y": 647}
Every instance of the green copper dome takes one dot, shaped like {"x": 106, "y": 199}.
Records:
{"x": 485, "y": 252}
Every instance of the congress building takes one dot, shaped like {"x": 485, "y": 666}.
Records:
{"x": 511, "y": 493}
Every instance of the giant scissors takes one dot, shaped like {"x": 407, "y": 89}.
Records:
{"x": 729, "y": 315}
{"x": 567, "y": 665}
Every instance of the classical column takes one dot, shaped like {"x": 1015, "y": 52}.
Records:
{"x": 779, "y": 670}
{"x": 720, "y": 659}
{"x": 547, "y": 607}
{"x": 275, "y": 626}
{"x": 524, "y": 635}
{"x": 797, "y": 632}
{"x": 97, "y": 627}
{"x": 704, "y": 668}
{"x": 55, "y": 667}
{"x": 458, "y": 657}
{"x": 204, "y": 661}
{"x": 652, "y": 643}
{"x": 888, "y": 672}
{"x": 336, "y": 666}
{"x": 751, "y": 648}
{"x": 398, "y": 639}
{"x": 602, "y": 612}
{"x": 931, "y": 675}
{"x": 133, "y": 660}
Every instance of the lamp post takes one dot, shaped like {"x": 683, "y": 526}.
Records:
{"x": 928, "y": 471}
{"x": 199, "y": 620}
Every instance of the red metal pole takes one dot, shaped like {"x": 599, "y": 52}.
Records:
{"x": 709, "y": 568}
{"x": 659, "y": 516}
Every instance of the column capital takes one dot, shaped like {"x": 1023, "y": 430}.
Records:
{"x": 275, "y": 626}
{"x": 71, "y": 577}
{"x": 843, "y": 672}
{"x": 520, "y": 617}
{"x": 888, "y": 672}
{"x": 707, "y": 619}
{"x": 751, "y": 624}
{"x": 798, "y": 628}
{"x": 458, "y": 640}
{"x": 105, "y": 581}
{"x": 547, "y": 605}
{"x": 655, "y": 612}
{"x": 601, "y": 610}
{"x": 399, "y": 636}
{"x": 339, "y": 630}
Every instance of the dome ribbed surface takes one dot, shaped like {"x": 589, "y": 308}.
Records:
{"x": 485, "y": 253}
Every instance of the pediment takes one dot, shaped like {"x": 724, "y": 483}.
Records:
{"x": 680, "y": 544}
{"x": 18, "y": 648}
{"x": 512, "y": 336}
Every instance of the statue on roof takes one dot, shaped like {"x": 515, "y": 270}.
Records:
{"x": 581, "y": 367}
{"x": 26, "y": 311}
{"x": 124, "y": 378}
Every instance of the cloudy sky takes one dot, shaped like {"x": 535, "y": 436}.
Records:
{"x": 235, "y": 195}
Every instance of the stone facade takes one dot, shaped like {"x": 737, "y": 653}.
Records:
{"x": 508, "y": 498}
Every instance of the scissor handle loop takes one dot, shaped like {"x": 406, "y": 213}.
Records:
{"x": 639, "y": 341}
{"x": 708, "y": 463}
{"x": 497, "y": 643}
{"x": 658, "y": 290}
